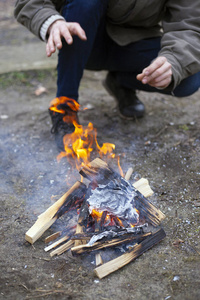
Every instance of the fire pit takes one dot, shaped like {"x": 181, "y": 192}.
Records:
{"x": 113, "y": 213}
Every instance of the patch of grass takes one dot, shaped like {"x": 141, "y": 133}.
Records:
{"x": 184, "y": 127}
{"x": 10, "y": 79}
{"x": 25, "y": 78}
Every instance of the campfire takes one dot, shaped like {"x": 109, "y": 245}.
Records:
{"x": 111, "y": 212}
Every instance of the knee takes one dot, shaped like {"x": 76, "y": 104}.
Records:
{"x": 188, "y": 86}
{"x": 86, "y": 8}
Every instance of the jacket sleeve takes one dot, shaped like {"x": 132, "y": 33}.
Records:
{"x": 181, "y": 38}
{"x": 33, "y": 13}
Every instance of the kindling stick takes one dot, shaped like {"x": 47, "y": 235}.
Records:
{"x": 47, "y": 218}
{"x": 124, "y": 259}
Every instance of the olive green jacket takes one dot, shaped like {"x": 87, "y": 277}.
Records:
{"x": 177, "y": 21}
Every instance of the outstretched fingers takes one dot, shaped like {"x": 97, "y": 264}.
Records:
{"x": 76, "y": 29}
{"x": 62, "y": 29}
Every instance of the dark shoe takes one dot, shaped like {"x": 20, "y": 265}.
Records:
{"x": 62, "y": 123}
{"x": 129, "y": 106}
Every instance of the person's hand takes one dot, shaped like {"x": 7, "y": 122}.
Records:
{"x": 158, "y": 74}
{"x": 59, "y": 29}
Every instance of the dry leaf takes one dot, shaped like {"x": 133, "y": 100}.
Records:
{"x": 177, "y": 242}
{"x": 41, "y": 90}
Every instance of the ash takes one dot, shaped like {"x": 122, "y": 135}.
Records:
{"x": 117, "y": 198}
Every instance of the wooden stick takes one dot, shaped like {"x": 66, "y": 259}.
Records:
{"x": 149, "y": 211}
{"x": 128, "y": 174}
{"x": 79, "y": 229}
{"x": 84, "y": 213}
{"x": 122, "y": 232}
{"x": 52, "y": 237}
{"x": 98, "y": 163}
{"x": 145, "y": 207}
{"x": 131, "y": 255}
{"x": 62, "y": 248}
{"x": 47, "y": 218}
{"x": 99, "y": 171}
{"x": 142, "y": 185}
{"x": 57, "y": 243}
{"x": 98, "y": 259}
{"x": 103, "y": 217}
{"x": 108, "y": 243}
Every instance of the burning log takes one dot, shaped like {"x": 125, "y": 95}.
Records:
{"x": 109, "y": 243}
{"x": 47, "y": 218}
{"x": 98, "y": 171}
{"x": 136, "y": 251}
{"x": 103, "y": 217}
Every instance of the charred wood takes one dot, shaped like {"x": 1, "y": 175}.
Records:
{"x": 109, "y": 243}
{"x": 73, "y": 201}
{"x": 131, "y": 255}
{"x": 82, "y": 221}
{"x": 98, "y": 171}
{"x": 98, "y": 258}
{"x": 112, "y": 230}
{"x": 147, "y": 210}
{"x": 47, "y": 218}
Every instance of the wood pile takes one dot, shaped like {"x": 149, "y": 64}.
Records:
{"x": 106, "y": 236}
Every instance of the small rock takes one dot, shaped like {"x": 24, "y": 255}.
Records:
{"x": 4, "y": 117}
{"x": 176, "y": 278}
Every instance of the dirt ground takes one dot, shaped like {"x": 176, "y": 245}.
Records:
{"x": 162, "y": 147}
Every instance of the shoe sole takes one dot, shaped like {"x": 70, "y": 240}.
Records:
{"x": 121, "y": 115}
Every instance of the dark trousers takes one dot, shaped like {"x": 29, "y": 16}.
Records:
{"x": 99, "y": 52}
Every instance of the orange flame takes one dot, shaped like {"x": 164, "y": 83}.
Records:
{"x": 98, "y": 215}
{"x": 79, "y": 144}
{"x": 120, "y": 169}
{"x": 74, "y": 105}
{"x": 110, "y": 220}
